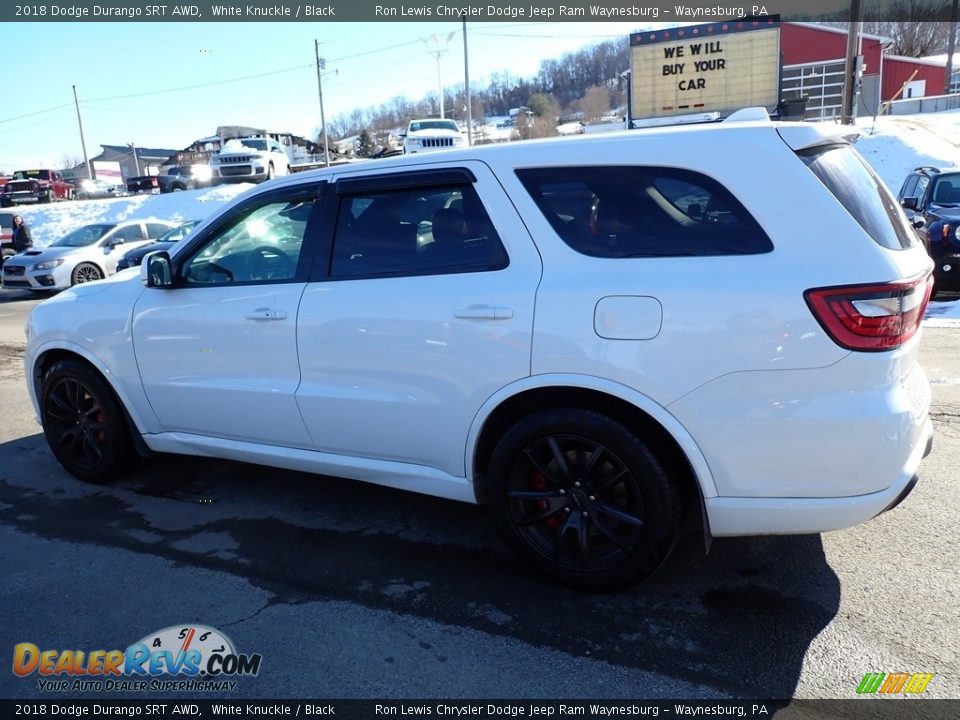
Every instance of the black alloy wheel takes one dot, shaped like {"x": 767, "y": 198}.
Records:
{"x": 83, "y": 422}
{"x": 583, "y": 499}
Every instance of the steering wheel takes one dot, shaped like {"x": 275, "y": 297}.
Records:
{"x": 268, "y": 262}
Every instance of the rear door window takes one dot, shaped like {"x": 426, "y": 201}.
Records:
{"x": 858, "y": 188}
{"x": 636, "y": 211}
{"x": 435, "y": 230}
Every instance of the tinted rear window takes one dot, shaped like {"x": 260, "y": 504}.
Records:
{"x": 862, "y": 193}
{"x": 635, "y": 211}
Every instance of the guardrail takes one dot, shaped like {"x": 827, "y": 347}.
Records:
{"x": 913, "y": 106}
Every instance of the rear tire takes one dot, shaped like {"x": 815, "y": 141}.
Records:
{"x": 582, "y": 499}
{"x": 84, "y": 422}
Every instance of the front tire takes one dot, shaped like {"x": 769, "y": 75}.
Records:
{"x": 84, "y": 422}
{"x": 84, "y": 273}
{"x": 582, "y": 499}
{"x": 270, "y": 172}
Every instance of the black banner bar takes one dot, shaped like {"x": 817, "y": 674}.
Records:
{"x": 440, "y": 10}
{"x": 855, "y": 709}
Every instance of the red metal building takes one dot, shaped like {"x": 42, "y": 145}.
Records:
{"x": 813, "y": 65}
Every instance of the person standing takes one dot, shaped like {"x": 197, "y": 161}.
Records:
{"x": 21, "y": 235}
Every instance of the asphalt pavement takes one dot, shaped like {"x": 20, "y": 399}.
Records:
{"x": 355, "y": 591}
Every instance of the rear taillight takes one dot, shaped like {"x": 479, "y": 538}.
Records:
{"x": 871, "y": 318}
{"x": 153, "y": 182}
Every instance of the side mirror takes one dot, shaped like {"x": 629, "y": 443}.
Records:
{"x": 909, "y": 203}
{"x": 919, "y": 222}
{"x": 156, "y": 270}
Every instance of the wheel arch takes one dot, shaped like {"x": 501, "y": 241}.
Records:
{"x": 46, "y": 358}
{"x": 668, "y": 438}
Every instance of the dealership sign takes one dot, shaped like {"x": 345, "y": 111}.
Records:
{"x": 718, "y": 67}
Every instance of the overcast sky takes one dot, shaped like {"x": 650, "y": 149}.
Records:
{"x": 164, "y": 85}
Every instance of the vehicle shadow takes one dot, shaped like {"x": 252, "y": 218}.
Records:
{"x": 10, "y": 295}
{"x": 735, "y": 622}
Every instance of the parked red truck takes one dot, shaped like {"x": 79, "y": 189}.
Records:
{"x": 35, "y": 186}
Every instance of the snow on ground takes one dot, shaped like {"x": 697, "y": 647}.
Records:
{"x": 896, "y": 145}
{"x": 48, "y": 223}
{"x": 892, "y": 145}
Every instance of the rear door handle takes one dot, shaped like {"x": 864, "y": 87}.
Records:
{"x": 484, "y": 312}
{"x": 263, "y": 314}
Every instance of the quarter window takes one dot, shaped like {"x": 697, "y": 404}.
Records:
{"x": 131, "y": 233}
{"x": 415, "y": 231}
{"x": 262, "y": 244}
{"x": 632, "y": 211}
{"x": 155, "y": 230}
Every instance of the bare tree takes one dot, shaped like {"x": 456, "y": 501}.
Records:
{"x": 917, "y": 28}
{"x": 69, "y": 162}
{"x": 596, "y": 103}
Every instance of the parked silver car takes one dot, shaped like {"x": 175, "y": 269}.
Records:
{"x": 88, "y": 253}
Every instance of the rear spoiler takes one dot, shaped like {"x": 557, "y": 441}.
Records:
{"x": 803, "y": 136}
{"x": 799, "y": 135}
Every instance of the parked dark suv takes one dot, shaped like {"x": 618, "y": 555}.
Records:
{"x": 932, "y": 195}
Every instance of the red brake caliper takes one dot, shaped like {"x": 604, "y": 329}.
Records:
{"x": 539, "y": 483}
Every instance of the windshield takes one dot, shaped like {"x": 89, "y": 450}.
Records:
{"x": 946, "y": 190}
{"x": 255, "y": 143}
{"x": 28, "y": 174}
{"x": 433, "y": 125}
{"x": 81, "y": 237}
{"x": 178, "y": 233}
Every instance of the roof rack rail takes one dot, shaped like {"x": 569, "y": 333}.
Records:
{"x": 934, "y": 168}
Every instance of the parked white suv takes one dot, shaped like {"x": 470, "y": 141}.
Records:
{"x": 432, "y": 134}
{"x": 250, "y": 159}
{"x": 592, "y": 336}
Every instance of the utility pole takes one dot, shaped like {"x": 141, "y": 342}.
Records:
{"x": 438, "y": 53}
{"x": 466, "y": 84}
{"x": 136, "y": 160}
{"x": 850, "y": 68}
{"x": 951, "y": 46}
{"x": 321, "y": 64}
{"x": 83, "y": 143}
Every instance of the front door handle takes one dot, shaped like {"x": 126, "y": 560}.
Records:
{"x": 263, "y": 314}
{"x": 484, "y": 312}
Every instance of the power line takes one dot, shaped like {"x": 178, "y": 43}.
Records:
{"x": 545, "y": 37}
{"x": 38, "y": 112}
{"x": 201, "y": 85}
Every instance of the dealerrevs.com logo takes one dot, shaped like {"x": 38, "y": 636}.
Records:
{"x": 181, "y": 657}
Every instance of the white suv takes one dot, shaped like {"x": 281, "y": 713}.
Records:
{"x": 592, "y": 336}
{"x": 432, "y": 134}
{"x": 250, "y": 159}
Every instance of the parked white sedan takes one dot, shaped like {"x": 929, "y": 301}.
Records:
{"x": 88, "y": 253}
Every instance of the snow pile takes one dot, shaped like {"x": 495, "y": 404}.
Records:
{"x": 48, "y": 223}
{"x": 896, "y": 145}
